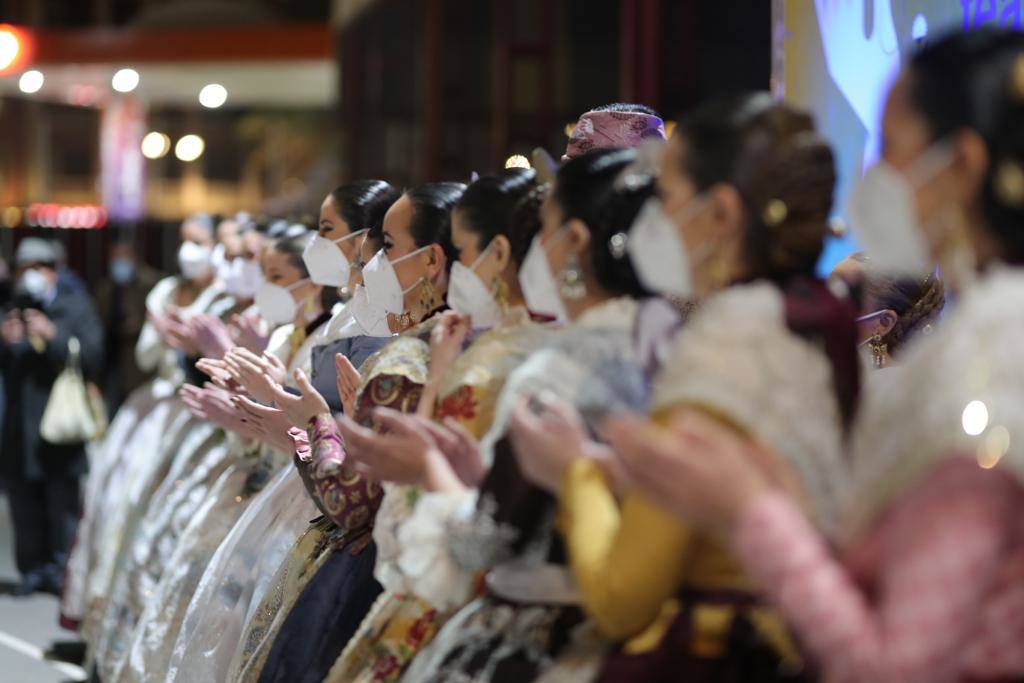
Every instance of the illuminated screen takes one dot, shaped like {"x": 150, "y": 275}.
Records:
{"x": 838, "y": 57}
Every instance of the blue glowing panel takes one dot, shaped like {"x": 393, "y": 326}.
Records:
{"x": 859, "y": 47}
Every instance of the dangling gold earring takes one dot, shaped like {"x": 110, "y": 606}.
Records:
{"x": 879, "y": 350}
{"x": 571, "y": 282}
{"x": 500, "y": 289}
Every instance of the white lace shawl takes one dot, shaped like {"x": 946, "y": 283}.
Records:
{"x": 904, "y": 431}
{"x": 737, "y": 357}
{"x": 592, "y": 365}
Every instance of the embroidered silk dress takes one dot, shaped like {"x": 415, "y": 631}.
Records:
{"x": 250, "y": 467}
{"x": 412, "y": 563}
{"x": 114, "y": 474}
{"x": 930, "y": 584}
{"x": 528, "y": 625}
{"x": 643, "y": 575}
{"x": 224, "y": 621}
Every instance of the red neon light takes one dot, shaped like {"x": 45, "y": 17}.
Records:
{"x": 15, "y": 49}
{"x": 49, "y": 215}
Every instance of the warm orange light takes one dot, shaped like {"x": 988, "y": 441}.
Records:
{"x": 14, "y": 49}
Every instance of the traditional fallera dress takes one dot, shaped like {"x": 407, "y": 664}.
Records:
{"x": 217, "y": 637}
{"x": 123, "y": 471}
{"x": 250, "y": 466}
{"x": 411, "y": 522}
{"x": 528, "y": 624}
{"x": 678, "y": 599}
{"x": 393, "y": 377}
{"x": 199, "y": 454}
{"x": 930, "y": 585}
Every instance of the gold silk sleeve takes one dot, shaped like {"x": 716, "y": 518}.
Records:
{"x": 629, "y": 561}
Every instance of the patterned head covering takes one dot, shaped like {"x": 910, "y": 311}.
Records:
{"x": 604, "y": 129}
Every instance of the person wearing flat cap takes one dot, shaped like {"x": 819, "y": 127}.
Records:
{"x": 41, "y": 479}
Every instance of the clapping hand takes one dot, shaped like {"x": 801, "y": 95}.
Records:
{"x": 250, "y": 332}
{"x": 703, "y": 471}
{"x": 211, "y": 335}
{"x": 303, "y": 407}
{"x": 349, "y": 380}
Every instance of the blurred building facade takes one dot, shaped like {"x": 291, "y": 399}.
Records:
{"x": 321, "y": 91}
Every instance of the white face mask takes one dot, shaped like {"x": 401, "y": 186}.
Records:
{"x": 381, "y": 281}
{"x": 244, "y": 278}
{"x": 884, "y": 214}
{"x": 276, "y": 303}
{"x": 538, "y": 283}
{"x": 658, "y": 254}
{"x": 194, "y": 260}
{"x": 468, "y": 295}
{"x": 34, "y": 284}
{"x": 325, "y": 261}
{"x": 221, "y": 264}
{"x": 373, "y": 320}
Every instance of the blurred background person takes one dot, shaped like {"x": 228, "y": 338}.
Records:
{"x": 121, "y": 305}
{"x": 42, "y": 479}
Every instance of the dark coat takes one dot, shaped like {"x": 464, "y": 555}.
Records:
{"x": 28, "y": 377}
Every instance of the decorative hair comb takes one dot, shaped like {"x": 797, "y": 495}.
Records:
{"x": 545, "y": 166}
{"x": 644, "y": 168}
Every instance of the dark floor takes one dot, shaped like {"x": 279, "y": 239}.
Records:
{"x": 27, "y": 625}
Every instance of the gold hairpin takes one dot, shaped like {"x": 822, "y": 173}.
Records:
{"x": 1009, "y": 183}
{"x": 774, "y": 213}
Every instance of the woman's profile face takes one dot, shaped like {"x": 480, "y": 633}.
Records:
{"x": 333, "y": 227}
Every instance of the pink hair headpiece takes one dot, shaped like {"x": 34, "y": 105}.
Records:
{"x": 604, "y": 129}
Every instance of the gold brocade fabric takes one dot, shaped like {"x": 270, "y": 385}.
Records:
{"x": 400, "y": 623}
{"x": 470, "y": 388}
{"x": 303, "y": 562}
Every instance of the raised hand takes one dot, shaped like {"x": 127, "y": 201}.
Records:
{"x": 270, "y": 424}
{"x": 219, "y": 373}
{"x": 38, "y": 325}
{"x": 403, "y": 454}
{"x": 250, "y": 332}
{"x": 446, "y": 341}
{"x": 211, "y": 335}
{"x": 303, "y": 407}
{"x": 274, "y": 367}
{"x": 702, "y": 471}
{"x": 349, "y": 380}
{"x": 178, "y": 334}
{"x": 251, "y": 372}
{"x": 547, "y": 434}
{"x": 215, "y": 405}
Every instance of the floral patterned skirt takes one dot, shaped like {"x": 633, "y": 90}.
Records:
{"x": 494, "y": 640}
{"x": 395, "y": 630}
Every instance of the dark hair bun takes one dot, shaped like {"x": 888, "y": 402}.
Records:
{"x": 783, "y": 170}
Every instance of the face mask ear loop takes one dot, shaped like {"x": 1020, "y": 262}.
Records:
{"x": 349, "y": 236}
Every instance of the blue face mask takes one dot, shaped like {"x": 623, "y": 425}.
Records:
{"x": 122, "y": 271}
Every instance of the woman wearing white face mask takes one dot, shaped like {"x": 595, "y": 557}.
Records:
{"x": 528, "y": 625}
{"x": 214, "y": 491}
{"x": 333, "y": 575}
{"x": 925, "y": 583}
{"x": 425, "y": 215}
{"x": 745, "y": 189}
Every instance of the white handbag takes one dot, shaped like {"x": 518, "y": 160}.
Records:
{"x": 74, "y": 412}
